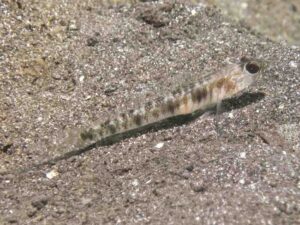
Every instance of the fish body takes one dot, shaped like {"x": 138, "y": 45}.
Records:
{"x": 202, "y": 95}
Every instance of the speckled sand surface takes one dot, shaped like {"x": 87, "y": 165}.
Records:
{"x": 65, "y": 64}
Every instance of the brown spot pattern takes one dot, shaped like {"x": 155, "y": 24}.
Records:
{"x": 155, "y": 112}
{"x": 185, "y": 102}
{"x": 198, "y": 94}
{"x": 87, "y": 135}
{"x": 137, "y": 119}
{"x": 112, "y": 128}
{"x": 226, "y": 83}
{"x": 170, "y": 104}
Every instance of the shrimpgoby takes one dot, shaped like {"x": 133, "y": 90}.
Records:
{"x": 223, "y": 84}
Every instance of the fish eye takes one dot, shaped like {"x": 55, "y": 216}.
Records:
{"x": 252, "y": 67}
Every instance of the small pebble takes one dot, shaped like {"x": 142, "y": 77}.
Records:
{"x": 293, "y": 64}
{"x": 56, "y": 76}
{"x": 72, "y": 25}
{"x": 242, "y": 181}
{"x": 185, "y": 174}
{"x": 40, "y": 203}
{"x": 243, "y": 155}
{"x": 81, "y": 78}
{"x": 110, "y": 89}
{"x": 51, "y": 174}
{"x": 92, "y": 42}
{"x": 244, "y": 5}
{"x": 193, "y": 12}
{"x": 198, "y": 186}
{"x": 190, "y": 168}
{"x": 31, "y": 211}
{"x": 86, "y": 202}
{"x": 284, "y": 152}
{"x": 159, "y": 145}
{"x": 135, "y": 182}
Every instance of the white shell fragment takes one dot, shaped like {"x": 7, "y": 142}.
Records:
{"x": 51, "y": 174}
{"x": 159, "y": 145}
{"x": 243, "y": 155}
